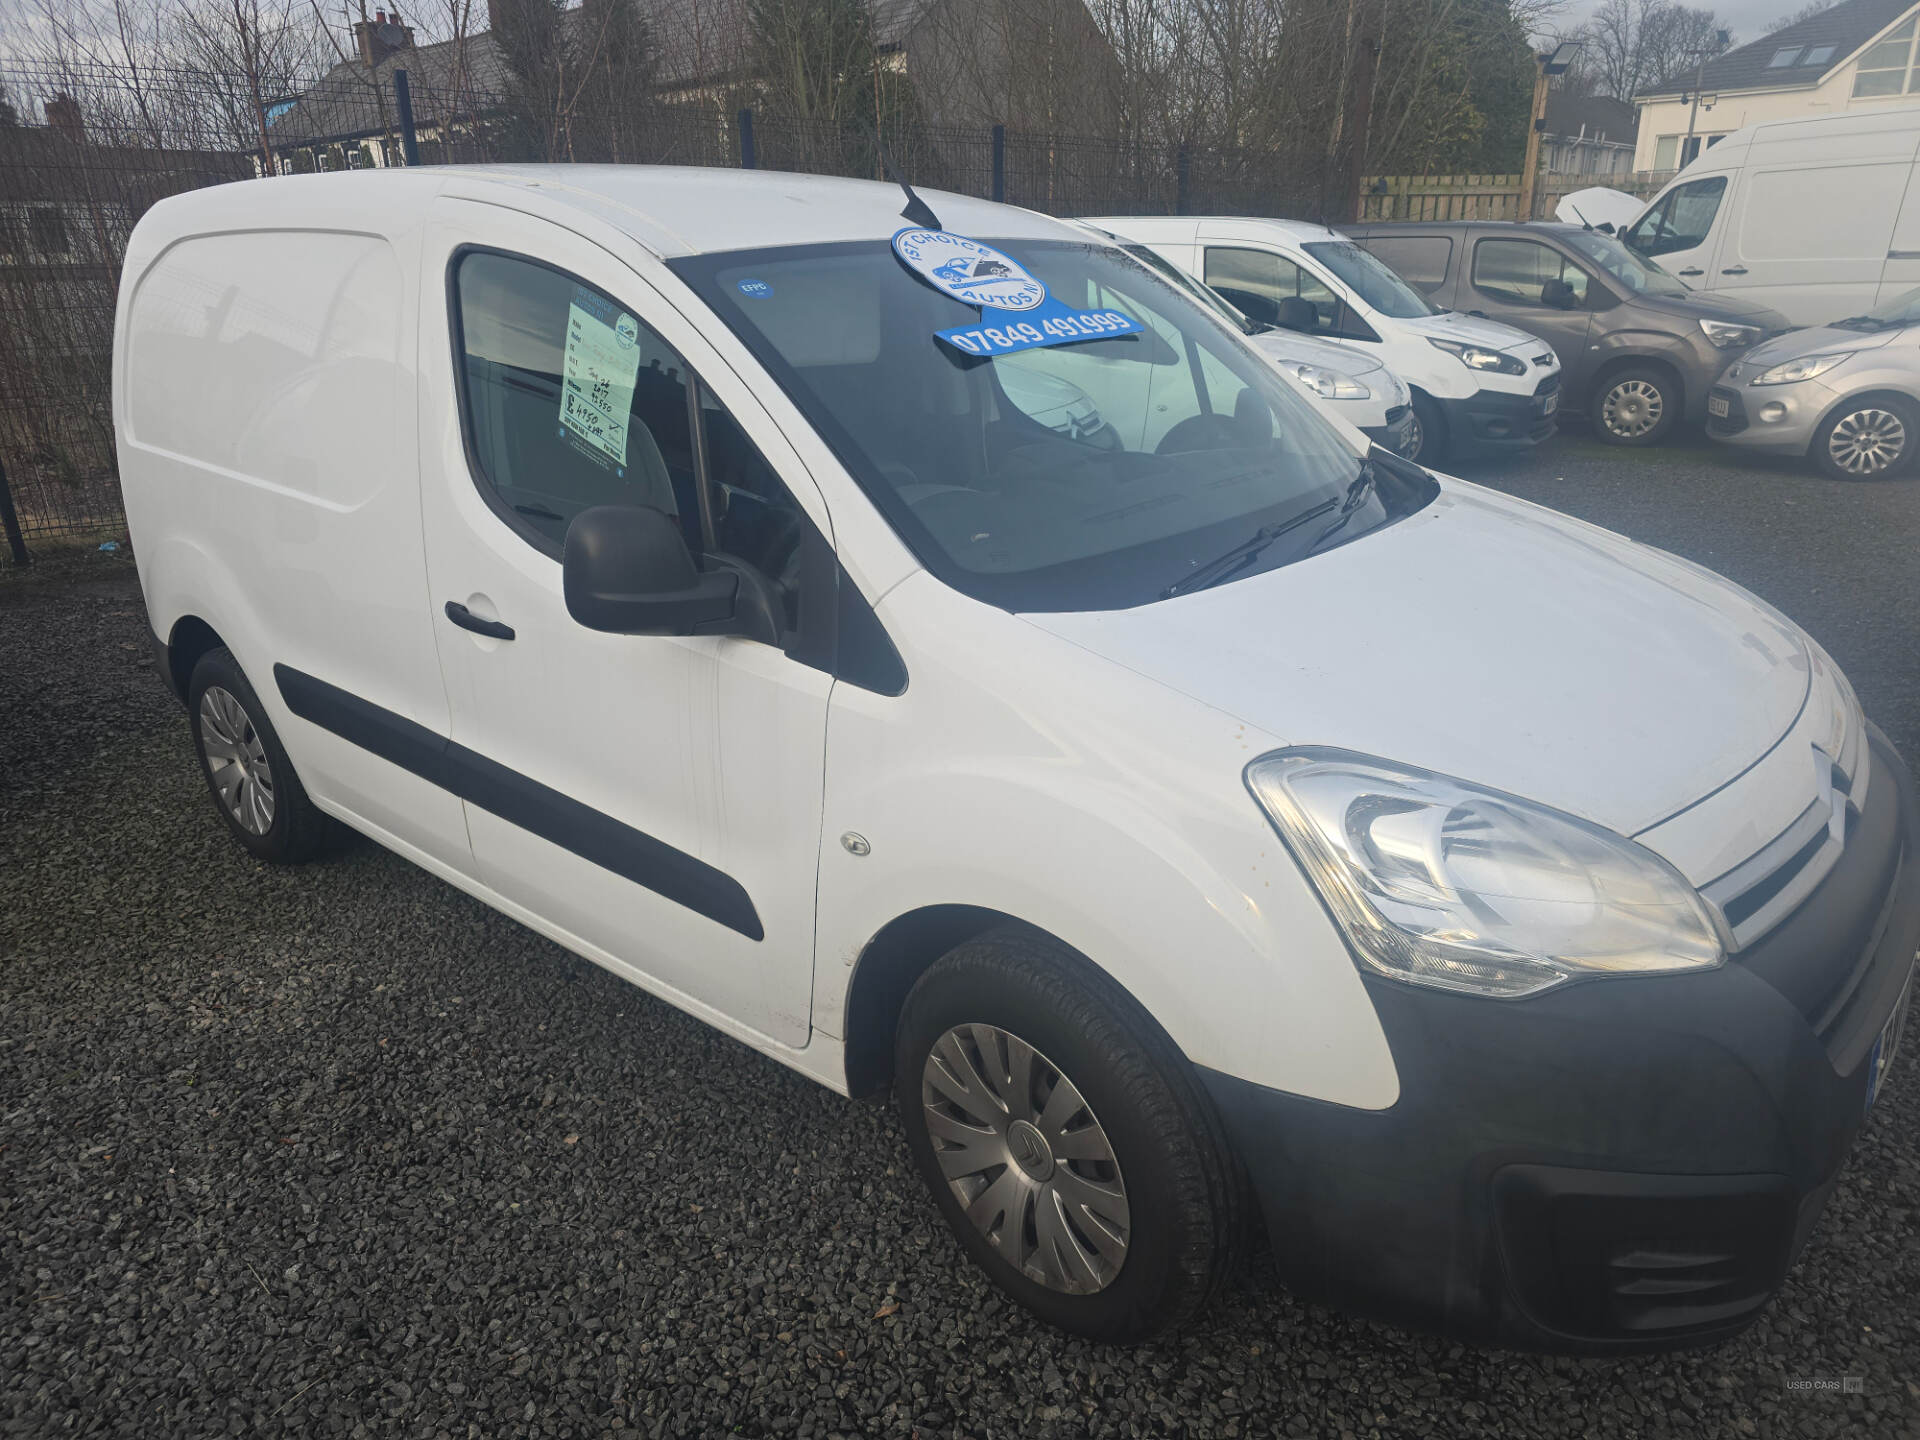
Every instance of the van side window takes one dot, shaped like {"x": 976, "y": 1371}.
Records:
{"x": 1682, "y": 218}
{"x": 1261, "y": 284}
{"x": 1420, "y": 260}
{"x": 1526, "y": 272}
{"x": 569, "y": 400}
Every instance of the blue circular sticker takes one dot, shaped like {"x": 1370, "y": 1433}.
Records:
{"x": 626, "y": 331}
{"x": 754, "y": 289}
{"x": 969, "y": 271}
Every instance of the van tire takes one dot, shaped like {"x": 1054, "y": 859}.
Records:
{"x": 1635, "y": 405}
{"x": 1184, "y": 1193}
{"x": 1431, "y": 444}
{"x": 1892, "y": 419}
{"x": 233, "y": 722}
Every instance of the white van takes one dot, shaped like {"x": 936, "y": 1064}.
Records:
{"x": 1348, "y": 386}
{"x": 1818, "y": 218}
{"x": 1179, "y": 813}
{"x": 1478, "y": 386}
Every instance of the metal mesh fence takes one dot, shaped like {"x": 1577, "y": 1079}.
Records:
{"x": 115, "y": 141}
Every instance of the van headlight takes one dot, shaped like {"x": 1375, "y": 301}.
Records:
{"x": 1326, "y": 384}
{"x": 1726, "y": 335}
{"x": 1805, "y": 368}
{"x": 1478, "y": 357}
{"x": 1442, "y": 883}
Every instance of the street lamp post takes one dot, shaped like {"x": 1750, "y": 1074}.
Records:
{"x": 1699, "y": 78}
{"x": 1551, "y": 63}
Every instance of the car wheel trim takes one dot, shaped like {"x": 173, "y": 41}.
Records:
{"x": 1416, "y": 440}
{"x": 236, "y": 760}
{"x": 1633, "y": 408}
{"x": 1867, "y": 442}
{"x": 1023, "y": 1153}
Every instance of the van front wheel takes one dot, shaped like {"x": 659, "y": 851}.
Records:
{"x": 248, "y": 773}
{"x": 1637, "y": 406}
{"x": 1065, "y": 1138}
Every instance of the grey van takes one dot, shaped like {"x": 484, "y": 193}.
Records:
{"x": 1638, "y": 350}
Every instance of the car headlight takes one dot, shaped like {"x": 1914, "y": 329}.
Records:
{"x": 1445, "y": 884}
{"x": 1729, "y": 336}
{"x": 1478, "y": 357}
{"x": 1805, "y": 368}
{"x": 1326, "y": 384}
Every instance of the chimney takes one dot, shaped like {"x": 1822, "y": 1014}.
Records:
{"x": 63, "y": 114}
{"x": 380, "y": 37}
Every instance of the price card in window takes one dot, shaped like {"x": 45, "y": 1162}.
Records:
{"x": 598, "y": 370}
{"x": 1016, "y": 312}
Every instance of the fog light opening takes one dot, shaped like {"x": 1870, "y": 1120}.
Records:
{"x": 1773, "y": 410}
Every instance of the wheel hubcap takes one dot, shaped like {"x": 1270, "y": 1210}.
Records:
{"x": 1632, "y": 408}
{"x": 236, "y": 760}
{"x": 1023, "y": 1152}
{"x": 1416, "y": 438}
{"x": 1867, "y": 441}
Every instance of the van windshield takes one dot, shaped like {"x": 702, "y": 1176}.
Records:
{"x": 1086, "y": 476}
{"x": 1385, "y": 291}
{"x": 1638, "y": 276}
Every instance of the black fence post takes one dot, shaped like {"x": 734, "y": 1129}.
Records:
{"x": 10, "y": 522}
{"x": 1000, "y": 163}
{"x": 403, "y": 101}
{"x": 746, "y": 140}
{"x": 1182, "y": 176}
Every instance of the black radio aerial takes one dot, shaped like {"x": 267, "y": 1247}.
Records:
{"x": 917, "y": 210}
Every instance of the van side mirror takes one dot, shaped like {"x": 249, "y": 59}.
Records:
{"x": 626, "y": 569}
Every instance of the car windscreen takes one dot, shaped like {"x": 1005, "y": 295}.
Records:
{"x": 1369, "y": 278}
{"x": 1621, "y": 264}
{"x": 1084, "y": 476}
{"x": 1900, "y": 310}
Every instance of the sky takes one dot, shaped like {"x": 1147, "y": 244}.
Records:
{"x": 1748, "y": 19}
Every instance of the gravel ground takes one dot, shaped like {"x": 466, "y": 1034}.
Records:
{"x": 337, "y": 1151}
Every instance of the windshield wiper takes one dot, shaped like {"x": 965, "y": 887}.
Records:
{"x": 1862, "y": 322}
{"x": 1357, "y": 492}
{"x": 1222, "y": 567}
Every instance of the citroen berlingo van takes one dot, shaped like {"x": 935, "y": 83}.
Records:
{"x": 1186, "y": 815}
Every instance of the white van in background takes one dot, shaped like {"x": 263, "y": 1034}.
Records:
{"x": 1818, "y": 218}
{"x": 1477, "y": 385}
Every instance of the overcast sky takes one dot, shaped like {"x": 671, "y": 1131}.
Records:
{"x": 1748, "y": 19}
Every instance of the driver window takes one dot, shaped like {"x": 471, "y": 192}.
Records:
{"x": 1272, "y": 289}
{"x": 569, "y": 401}
{"x": 755, "y": 517}
{"x": 1528, "y": 273}
{"x": 1681, "y": 220}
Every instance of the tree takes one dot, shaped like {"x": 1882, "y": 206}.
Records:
{"x": 1805, "y": 12}
{"x": 9, "y": 117}
{"x": 1633, "y": 46}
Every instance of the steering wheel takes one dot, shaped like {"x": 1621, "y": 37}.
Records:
{"x": 1200, "y": 432}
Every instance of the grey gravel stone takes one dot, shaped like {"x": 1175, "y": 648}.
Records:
{"x": 286, "y": 1152}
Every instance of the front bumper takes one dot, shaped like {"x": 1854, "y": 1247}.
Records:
{"x": 1396, "y": 434}
{"x": 1777, "y": 419}
{"x": 1500, "y": 422}
{"x": 1620, "y": 1164}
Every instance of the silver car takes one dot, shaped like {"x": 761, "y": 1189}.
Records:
{"x": 1846, "y": 394}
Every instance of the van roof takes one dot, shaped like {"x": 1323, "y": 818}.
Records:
{"x": 670, "y": 209}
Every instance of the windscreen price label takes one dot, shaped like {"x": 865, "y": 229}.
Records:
{"x": 1004, "y": 332}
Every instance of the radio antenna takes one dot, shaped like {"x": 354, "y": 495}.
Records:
{"x": 917, "y": 210}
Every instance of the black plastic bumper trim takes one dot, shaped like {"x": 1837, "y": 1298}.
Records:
{"x": 592, "y": 835}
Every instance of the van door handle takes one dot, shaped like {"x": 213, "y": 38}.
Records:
{"x": 1693, "y": 270}
{"x": 1730, "y": 270}
{"x": 467, "y": 620}
{"x": 1903, "y": 254}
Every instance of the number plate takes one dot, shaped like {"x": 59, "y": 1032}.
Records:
{"x": 1550, "y": 404}
{"x": 1888, "y": 1045}
{"x": 1717, "y": 406}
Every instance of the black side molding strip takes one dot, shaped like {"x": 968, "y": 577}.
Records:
{"x": 593, "y": 836}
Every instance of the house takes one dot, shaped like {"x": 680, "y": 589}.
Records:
{"x": 967, "y": 62}
{"x": 1858, "y": 54}
{"x": 1587, "y": 135}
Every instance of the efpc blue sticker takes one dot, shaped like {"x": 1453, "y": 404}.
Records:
{"x": 1016, "y": 312}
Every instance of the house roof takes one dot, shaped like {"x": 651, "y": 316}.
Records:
{"x": 694, "y": 43}
{"x": 1604, "y": 117}
{"x": 41, "y": 163}
{"x": 1846, "y": 27}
